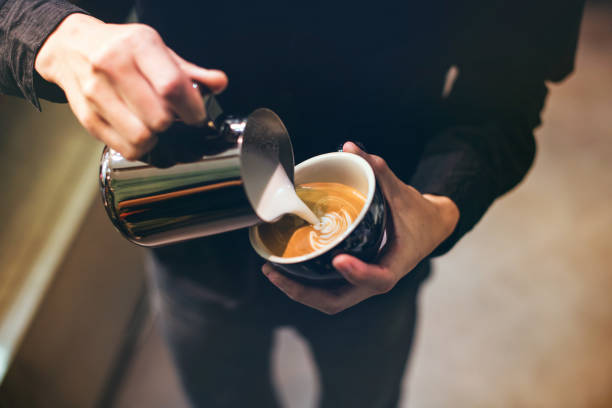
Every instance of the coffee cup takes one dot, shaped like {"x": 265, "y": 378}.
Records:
{"x": 364, "y": 236}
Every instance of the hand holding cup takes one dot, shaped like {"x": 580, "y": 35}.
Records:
{"x": 418, "y": 224}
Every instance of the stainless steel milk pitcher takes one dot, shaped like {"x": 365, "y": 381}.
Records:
{"x": 208, "y": 185}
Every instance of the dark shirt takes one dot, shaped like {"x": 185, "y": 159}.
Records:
{"x": 372, "y": 72}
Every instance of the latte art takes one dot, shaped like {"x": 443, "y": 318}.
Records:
{"x": 336, "y": 205}
{"x": 331, "y": 226}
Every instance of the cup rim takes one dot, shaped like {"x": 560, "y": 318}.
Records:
{"x": 260, "y": 248}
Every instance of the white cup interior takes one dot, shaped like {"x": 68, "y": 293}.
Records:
{"x": 338, "y": 167}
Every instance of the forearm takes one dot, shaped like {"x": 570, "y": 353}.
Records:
{"x": 447, "y": 210}
{"x": 24, "y": 27}
{"x": 487, "y": 146}
{"x": 472, "y": 166}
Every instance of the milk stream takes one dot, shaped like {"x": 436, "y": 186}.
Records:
{"x": 279, "y": 198}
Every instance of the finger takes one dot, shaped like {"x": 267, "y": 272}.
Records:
{"x": 102, "y": 130}
{"x": 351, "y": 147}
{"x": 142, "y": 99}
{"x": 215, "y": 80}
{"x": 169, "y": 81}
{"x": 378, "y": 278}
{"x": 96, "y": 125}
{"x": 103, "y": 99}
{"x": 326, "y": 301}
{"x": 132, "y": 86}
{"x": 387, "y": 179}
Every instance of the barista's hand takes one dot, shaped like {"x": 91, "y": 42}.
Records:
{"x": 122, "y": 82}
{"x": 420, "y": 223}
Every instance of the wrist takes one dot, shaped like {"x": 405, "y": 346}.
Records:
{"x": 447, "y": 213}
{"x": 49, "y": 56}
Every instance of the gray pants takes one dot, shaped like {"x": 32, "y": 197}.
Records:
{"x": 219, "y": 313}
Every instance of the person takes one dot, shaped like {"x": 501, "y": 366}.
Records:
{"x": 443, "y": 95}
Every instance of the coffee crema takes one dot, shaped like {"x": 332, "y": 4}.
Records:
{"x": 336, "y": 205}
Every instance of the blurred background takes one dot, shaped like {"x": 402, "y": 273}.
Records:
{"x": 519, "y": 314}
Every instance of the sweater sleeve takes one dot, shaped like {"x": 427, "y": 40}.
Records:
{"x": 504, "y": 58}
{"x": 485, "y": 153}
{"x": 24, "y": 27}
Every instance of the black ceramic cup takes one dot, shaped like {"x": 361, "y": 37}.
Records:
{"x": 364, "y": 237}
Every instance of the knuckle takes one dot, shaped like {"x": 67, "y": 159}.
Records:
{"x": 140, "y": 32}
{"x": 89, "y": 122}
{"x": 91, "y": 88}
{"x": 105, "y": 58}
{"x": 131, "y": 153}
{"x": 332, "y": 309}
{"x": 385, "y": 285}
{"x": 100, "y": 62}
{"x": 381, "y": 289}
{"x": 170, "y": 87}
{"x": 162, "y": 122}
{"x": 378, "y": 163}
{"x": 115, "y": 54}
{"x": 141, "y": 137}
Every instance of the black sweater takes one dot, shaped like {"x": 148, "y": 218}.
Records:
{"x": 352, "y": 70}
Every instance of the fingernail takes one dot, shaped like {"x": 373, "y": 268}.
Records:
{"x": 347, "y": 267}
{"x": 350, "y": 268}
{"x": 356, "y": 143}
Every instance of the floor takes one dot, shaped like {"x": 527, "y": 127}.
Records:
{"x": 520, "y": 313}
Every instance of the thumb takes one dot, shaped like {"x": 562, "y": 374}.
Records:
{"x": 351, "y": 147}
{"x": 378, "y": 278}
{"x": 383, "y": 173}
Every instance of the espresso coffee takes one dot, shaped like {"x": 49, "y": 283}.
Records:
{"x": 336, "y": 205}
